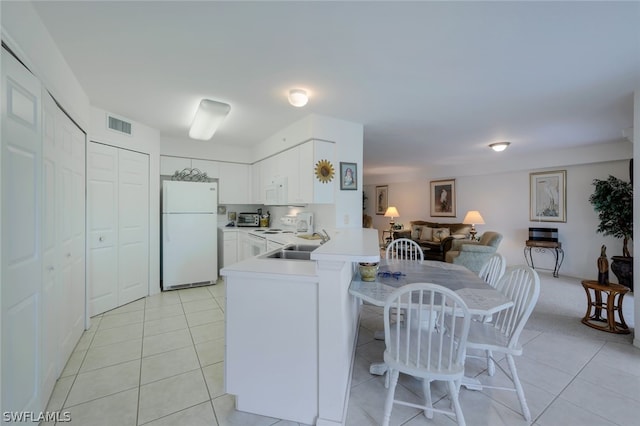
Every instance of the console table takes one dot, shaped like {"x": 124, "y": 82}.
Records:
{"x": 554, "y": 247}
{"x": 610, "y": 306}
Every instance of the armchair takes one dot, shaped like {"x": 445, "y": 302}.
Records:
{"x": 474, "y": 254}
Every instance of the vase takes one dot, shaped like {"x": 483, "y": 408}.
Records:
{"x": 368, "y": 271}
{"x": 622, "y": 267}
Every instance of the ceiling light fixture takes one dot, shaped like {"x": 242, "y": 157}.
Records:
{"x": 298, "y": 97}
{"x": 499, "y": 146}
{"x": 208, "y": 118}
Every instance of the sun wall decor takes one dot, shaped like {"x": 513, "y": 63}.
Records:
{"x": 324, "y": 171}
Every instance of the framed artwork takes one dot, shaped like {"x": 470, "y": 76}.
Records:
{"x": 548, "y": 196}
{"x": 443, "y": 198}
{"x": 382, "y": 200}
{"x": 348, "y": 176}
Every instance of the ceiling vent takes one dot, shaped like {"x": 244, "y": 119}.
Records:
{"x": 118, "y": 125}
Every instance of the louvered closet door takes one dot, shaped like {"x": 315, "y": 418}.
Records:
{"x": 21, "y": 237}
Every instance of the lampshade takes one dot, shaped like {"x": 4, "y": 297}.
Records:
{"x": 499, "y": 146}
{"x": 473, "y": 218}
{"x": 392, "y": 212}
{"x": 298, "y": 97}
{"x": 209, "y": 116}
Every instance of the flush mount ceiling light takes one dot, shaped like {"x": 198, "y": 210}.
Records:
{"x": 499, "y": 146}
{"x": 298, "y": 97}
{"x": 209, "y": 116}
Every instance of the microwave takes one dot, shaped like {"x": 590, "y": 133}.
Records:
{"x": 248, "y": 219}
{"x": 275, "y": 192}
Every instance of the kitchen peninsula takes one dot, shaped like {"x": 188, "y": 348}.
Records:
{"x": 291, "y": 329}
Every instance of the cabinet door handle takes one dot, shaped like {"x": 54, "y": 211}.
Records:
{"x": 69, "y": 254}
{"x": 51, "y": 269}
{"x": 101, "y": 239}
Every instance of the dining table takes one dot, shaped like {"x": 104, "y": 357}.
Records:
{"x": 481, "y": 299}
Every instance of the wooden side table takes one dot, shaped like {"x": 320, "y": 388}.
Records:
{"x": 612, "y": 305}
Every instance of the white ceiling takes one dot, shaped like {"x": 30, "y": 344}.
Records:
{"x": 432, "y": 82}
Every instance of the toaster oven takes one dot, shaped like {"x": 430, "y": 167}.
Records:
{"x": 248, "y": 219}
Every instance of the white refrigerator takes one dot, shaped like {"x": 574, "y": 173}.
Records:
{"x": 189, "y": 234}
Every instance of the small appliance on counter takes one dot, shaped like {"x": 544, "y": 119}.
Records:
{"x": 304, "y": 223}
{"x": 248, "y": 219}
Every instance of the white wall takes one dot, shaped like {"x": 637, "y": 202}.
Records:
{"x": 145, "y": 140}
{"x": 503, "y": 201}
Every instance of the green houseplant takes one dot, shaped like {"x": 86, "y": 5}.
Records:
{"x": 612, "y": 199}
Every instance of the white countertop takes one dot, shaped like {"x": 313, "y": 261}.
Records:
{"x": 350, "y": 245}
{"x": 345, "y": 245}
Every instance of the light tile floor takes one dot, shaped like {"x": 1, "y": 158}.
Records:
{"x": 160, "y": 361}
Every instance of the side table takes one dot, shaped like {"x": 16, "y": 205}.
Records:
{"x": 542, "y": 246}
{"x": 595, "y": 306}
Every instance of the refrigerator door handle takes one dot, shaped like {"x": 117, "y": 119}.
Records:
{"x": 166, "y": 226}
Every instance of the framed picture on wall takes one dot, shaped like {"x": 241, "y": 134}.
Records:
{"x": 548, "y": 196}
{"x": 382, "y": 199}
{"x": 443, "y": 198}
{"x": 348, "y": 176}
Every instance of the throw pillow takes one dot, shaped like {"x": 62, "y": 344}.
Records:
{"x": 426, "y": 234}
{"x": 440, "y": 234}
{"x": 415, "y": 232}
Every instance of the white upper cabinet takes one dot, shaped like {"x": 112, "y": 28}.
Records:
{"x": 256, "y": 185}
{"x": 310, "y": 189}
{"x": 211, "y": 168}
{"x": 234, "y": 183}
{"x": 170, "y": 165}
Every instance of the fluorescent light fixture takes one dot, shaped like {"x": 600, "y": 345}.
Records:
{"x": 209, "y": 116}
{"x": 298, "y": 97}
{"x": 499, "y": 146}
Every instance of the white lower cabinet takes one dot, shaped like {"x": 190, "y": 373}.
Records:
{"x": 227, "y": 246}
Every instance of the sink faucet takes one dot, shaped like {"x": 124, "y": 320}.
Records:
{"x": 324, "y": 237}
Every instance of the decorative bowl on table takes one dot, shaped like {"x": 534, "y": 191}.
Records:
{"x": 368, "y": 271}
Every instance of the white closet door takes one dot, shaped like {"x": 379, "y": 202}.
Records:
{"x": 102, "y": 237}
{"x": 21, "y": 237}
{"x": 51, "y": 301}
{"x": 70, "y": 143}
{"x": 133, "y": 226}
{"x": 118, "y": 230}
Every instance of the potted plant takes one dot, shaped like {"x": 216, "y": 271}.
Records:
{"x": 613, "y": 200}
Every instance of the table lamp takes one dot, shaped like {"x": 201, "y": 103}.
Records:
{"x": 391, "y": 212}
{"x": 473, "y": 218}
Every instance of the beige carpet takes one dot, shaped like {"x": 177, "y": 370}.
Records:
{"x": 563, "y": 303}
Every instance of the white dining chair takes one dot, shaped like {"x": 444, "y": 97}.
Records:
{"x": 429, "y": 344}
{"x": 520, "y": 284}
{"x": 493, "y": 269}
{"x": 404, "y": 249}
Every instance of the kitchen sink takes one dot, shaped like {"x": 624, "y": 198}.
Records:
{"x": 300, "y": 247}
{"x": 288, "y": 254}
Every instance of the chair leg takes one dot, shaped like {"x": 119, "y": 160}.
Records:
{"x": 491, "y": 367}
{"x": 388, "y": 404}
{"x": 426, "y": 389}
{"x": 453, "y": 394}
{"x": 519, "y": 390}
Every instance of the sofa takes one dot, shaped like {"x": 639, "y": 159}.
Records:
{"x": 434, "y": 238}
{"x": 474, "y": 254}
